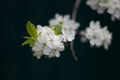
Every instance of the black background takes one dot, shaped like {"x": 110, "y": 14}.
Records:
{"x": 17, "y": 63}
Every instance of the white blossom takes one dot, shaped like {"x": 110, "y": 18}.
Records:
{"x": 111, "y": 6}
{"x": 69, "y": 26}
{"x": 114, "y": 9}
{"x": 47, "y": 43}
{"x": 97, "y": 36}
{"x": 99, "y": 5}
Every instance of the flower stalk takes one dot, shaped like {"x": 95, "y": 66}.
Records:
{"x": 74, "y": 13}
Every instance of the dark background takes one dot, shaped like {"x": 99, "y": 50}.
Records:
{"x": 17, "y": 63}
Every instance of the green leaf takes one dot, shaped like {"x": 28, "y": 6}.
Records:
{"x": 32, "y": 44}
{"x": 61, "y": 22}
{"x": 29, "y": 41}
{"x": 31, "y": 29}
{"x": 27, "y": 37}
{"x": 57, "y": 29}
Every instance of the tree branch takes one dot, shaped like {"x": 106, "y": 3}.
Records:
{"x": 74, "y": 13}
{"x": 75, "y": 9}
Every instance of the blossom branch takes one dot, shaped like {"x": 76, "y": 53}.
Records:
{"x": 75, "y": 9}
{"x": 74, "y": 13}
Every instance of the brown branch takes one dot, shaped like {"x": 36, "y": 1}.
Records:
{"x": 75, "y": 9}
{"x": 73, "y": 51}
{"x": 74, "y": 13}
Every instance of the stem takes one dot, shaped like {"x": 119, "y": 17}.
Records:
{"x": 74, "y": 13}
{"x": 73, "y": 51}
{"x": 75, "y": 9}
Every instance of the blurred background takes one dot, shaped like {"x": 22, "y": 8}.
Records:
{"x": 17, "y": 63}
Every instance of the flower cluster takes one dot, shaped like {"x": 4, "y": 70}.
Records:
{"x": 69, "y": 26}
{"x": 47, "y": 43}
{"x": 112, "y": 7}
{"x": 97, "y": 36}
{"x": 49, "y": 40}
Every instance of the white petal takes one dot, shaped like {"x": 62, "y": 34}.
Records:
{"x": 106, "y": 47}
{"x": 46, "y": 50}
{"x": 100, "y": 11}
{"x": 92, "y": 42}
{"x": 38, "y": 54}
{"x": 37, "y": 47}
{"x": 98, "y": 43}
{"x": 57, "y": 53}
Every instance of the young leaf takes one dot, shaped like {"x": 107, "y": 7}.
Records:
{"x": 31, "y": 29}
{"x": 29, "y": 41}
{"x": 27, "y": 37}
{"x": 57, "y": 29}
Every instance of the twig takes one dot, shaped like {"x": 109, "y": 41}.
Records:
{"x": 75, "y": 9}
{"x": 74, "y": 13}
